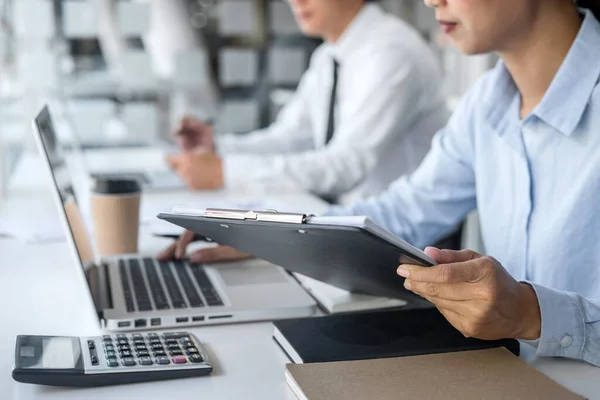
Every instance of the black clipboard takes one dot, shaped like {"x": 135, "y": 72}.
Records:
{"x": 361, "y": 258}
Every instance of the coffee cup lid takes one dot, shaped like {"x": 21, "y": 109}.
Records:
{"x": 116, "y": 186}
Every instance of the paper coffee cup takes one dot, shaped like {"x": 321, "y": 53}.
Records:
{"x": 116, "y": 215}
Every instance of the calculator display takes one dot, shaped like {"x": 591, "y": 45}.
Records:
{"x": 59, "y": 353}
{"x": 56, "y": 353}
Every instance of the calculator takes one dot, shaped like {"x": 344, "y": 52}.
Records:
{"x": 108, "y": 359}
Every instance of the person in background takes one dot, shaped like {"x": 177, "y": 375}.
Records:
{"x": 364, "y": 112}
{"x": 522, "y": 147}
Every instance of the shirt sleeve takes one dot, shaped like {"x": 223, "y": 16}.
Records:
{"x": 428, "y": 204}
{"x": 378, "y": 110}
{"x": 570, "y": 325}
{"x": 291, "y": 131}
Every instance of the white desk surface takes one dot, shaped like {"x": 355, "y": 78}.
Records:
{"x": 41, "y": 292}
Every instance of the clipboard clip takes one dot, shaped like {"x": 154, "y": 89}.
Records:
{"x": 259, "y": 216}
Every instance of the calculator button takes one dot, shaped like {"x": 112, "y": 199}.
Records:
{"x": 109, "y": 347}
{"x": 176, "y": 353}
{"x": 121, "y": 336}
{"x": 171, "y": 341}
{"x": 141, "y": 348}
{"x": 125, "y": 353}
{"x": 112, "y": 363}
{"x": 143, "y": 353}
{"x": 156, "y": 346}
{"x": 188, "y": 345}
{"x": 124, "y": 347}
{"x": 155, "y": 341}
{"x": 91, "y": 344}
{"x": 94, "y": 360}
{"x": 151, "y": 335}
{"x": 162, "y": 360}
{"x": 195, "y": 358}
{"x": 179, "y": 360}
{"x": 139, "y": 341}
{"x": 110, "y": 354}
{"x": 137, "y": 336}
{"x": 106, "y": 337}
{"x": 145, "y": 361}
{"x": 128, "y": 362}
{"x": 173, "y": 347}
{"x": 160, "y": 353}
{"x": 192, "y": 350}
{"x": 122, "y": 341}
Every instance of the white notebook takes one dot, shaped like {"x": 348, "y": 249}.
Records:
{"x": 336, "y": 300}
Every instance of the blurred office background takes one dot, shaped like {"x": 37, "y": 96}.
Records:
{"x": 122, "y": 72}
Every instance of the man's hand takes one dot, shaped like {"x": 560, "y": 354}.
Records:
{"x": 200, "y": 169}
{"x": 177, "y": 251}
{"x": 476, "y": 295}
{"x": 192, "y": 134}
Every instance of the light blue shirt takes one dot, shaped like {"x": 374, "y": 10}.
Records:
{"x": 535, "y": 183}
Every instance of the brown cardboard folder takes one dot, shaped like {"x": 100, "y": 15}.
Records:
{"x": 477, "y": 374}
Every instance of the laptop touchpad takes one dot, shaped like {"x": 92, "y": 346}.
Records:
{"x": 250, "y": 274}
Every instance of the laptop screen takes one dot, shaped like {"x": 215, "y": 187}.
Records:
{"x": 63, "y": 185}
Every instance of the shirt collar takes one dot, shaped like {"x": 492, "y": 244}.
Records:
{"x": 569, "y": 93}
{"x": 499, "y": 96}
{"x": 365, "y": 20}
{"x": 567, "y": 97}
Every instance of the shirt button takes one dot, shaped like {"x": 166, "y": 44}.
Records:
{"x": 566, "y": 341}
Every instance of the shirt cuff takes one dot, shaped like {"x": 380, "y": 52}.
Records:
{"x": 236, "y": 170}
{"x": 225, "y": 143}
{"x": 258, "y": 172}
{"x": 563, "y": 324}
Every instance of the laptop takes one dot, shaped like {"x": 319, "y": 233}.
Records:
{"x": 153, "y": 176}
{"x": 132, "y": 292}
{"x": 146, "y": 164}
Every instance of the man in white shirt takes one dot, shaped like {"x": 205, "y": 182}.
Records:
{"x": 363, "y": 115}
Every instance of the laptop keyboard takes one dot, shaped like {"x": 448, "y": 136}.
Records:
{"x": 158, "y": 293}
{"x": 206, "y": 287}
{"x": 144, "y": 291}
{"x": 126, "y": 287}
{"x": 172, "y": 288}
{"x": 190, "y": 291}
{"x": 139, "y": 285}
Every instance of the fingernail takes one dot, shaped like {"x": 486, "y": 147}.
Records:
{"x": 403, "y": 272}
{"x": 407, "y": 285}
{"x": 431, "y": 251}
